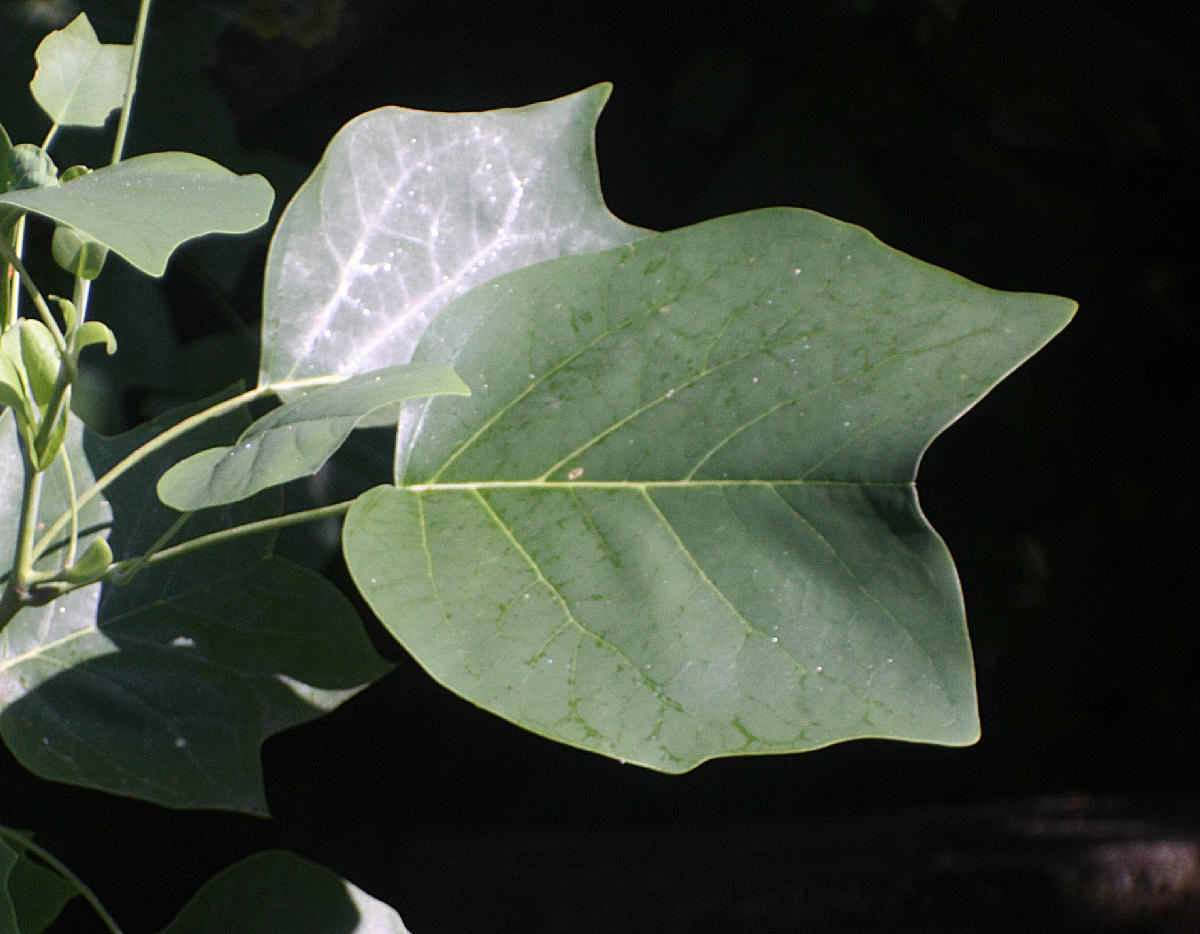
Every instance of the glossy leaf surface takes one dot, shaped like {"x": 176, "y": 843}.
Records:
{"x": 165, "y": 688}
{"x": 79, "y": 80}
{"x": 408, "y": 210}
{"x": 296, "y": 439}
{"x": 276, "y": 891}
{"x": 146, "y": 206}
{"x": 676, "y": 519}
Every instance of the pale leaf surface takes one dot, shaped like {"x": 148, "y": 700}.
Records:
{"x": 409, "y": 209}
{"x": 79, "y": 80}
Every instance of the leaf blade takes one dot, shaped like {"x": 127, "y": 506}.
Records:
{"x": 278, "y": 891}
{"x": 144, "y": 207}
{"x": 79, "y": 80}
{"x": 164, "y": 689}
{"x": 409, "y": 209}
{"x": 676, "y": 519}
{"x": 296, "y": 439}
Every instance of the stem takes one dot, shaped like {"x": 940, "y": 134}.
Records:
{"x": 61, "y": 868}
{"x": 120, "y": 569}
{"x": 23, "y": 553}
{"x": 175, "y": 431}
{"x": 125, "y": 571}
{"x": 9, "y": 255}
{"x": 73, "y": 545}
{"x": 140, "y": 454}
{"x": 139, "y": 38}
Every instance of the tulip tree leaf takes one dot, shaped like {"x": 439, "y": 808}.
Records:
{"x": 409, "y": 209}
{"x": 277, "y": 891}
{"x": 296, "y": 439}
{"x": 31, "y": 896}
{"x": 146, "y": 206}
{"x": 676, "y": 518}
{"x": 164, "y": 688}
{"x": 80, "y": 81}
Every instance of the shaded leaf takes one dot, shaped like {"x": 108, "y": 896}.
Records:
{"x": 407, "y": 210}
{"x": 296, "y": 439}
{"x": 165, "y": 688}
{"x": 276, "y": 891}
{"x": 676, "y": 519}
{"x": 80, "y": 81}
{"x": 31, "y": 896}
{"x": 145, "y": 207}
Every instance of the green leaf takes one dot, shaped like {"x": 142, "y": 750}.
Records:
{"x": 8, "y": 912}
{"x": 95, "y": 332}
{"x": 12, "y": 385}
{"x": 296, "y": 439}
{"x": 277, "y": 891}
{"x": 31, "y": 896}
{"x": 145, "y": 207}
{"x": 27, "y": 167}
{"x": 80, "y": 81}
{"x": 40, "y": 356}
{"x": 164, "y": 689}
{"x": 408, "y": 210}
{"x": 78, "y": 253}
{"x": 676, "y": 518}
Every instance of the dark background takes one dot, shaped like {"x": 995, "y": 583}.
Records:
{"x": 1037, "y": 146}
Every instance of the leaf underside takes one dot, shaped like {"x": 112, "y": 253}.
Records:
{"x": 409, "y": 209}
{"x": 676, "y": 519}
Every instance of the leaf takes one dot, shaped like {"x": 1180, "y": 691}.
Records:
{"x": 145, "y": 207}
{"x": 31, "y": 896}
{"x": 676, "y": 518}
{"x": 296, "y": 439}
{"x": 165, "y": 688}
{"x": 80, "y": 81}
{"x": 278, "y": 891}
{"x": 408, "y": 209}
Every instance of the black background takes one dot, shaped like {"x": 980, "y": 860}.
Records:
{"x": 1038, "y": 146}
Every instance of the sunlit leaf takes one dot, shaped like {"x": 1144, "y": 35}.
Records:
{"x": 80, "y": 81}
{"x": 408, "y": 210}
{"x": 145, "y": 207}
{"x": 676, "y": 519}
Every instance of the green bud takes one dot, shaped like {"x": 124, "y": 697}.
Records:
{"x": 78, "y": 253}
{"x": 74, "y": 172}
{"x": 94, "y": 332}
{"x": 40, "y": 356}
{"x": 91, "y": 564}
{"x": 28, "y": 166}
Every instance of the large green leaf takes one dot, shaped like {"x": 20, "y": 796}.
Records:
{"x": 408, "y": 210}
{"x": 80, "y": 81}
{"x": 145, "y": 207}
{"x": 296, "y": 439}
{"x": 677, "y": 518}
{"x": 273, "y": 892}
{"x": 165, "y": 688}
